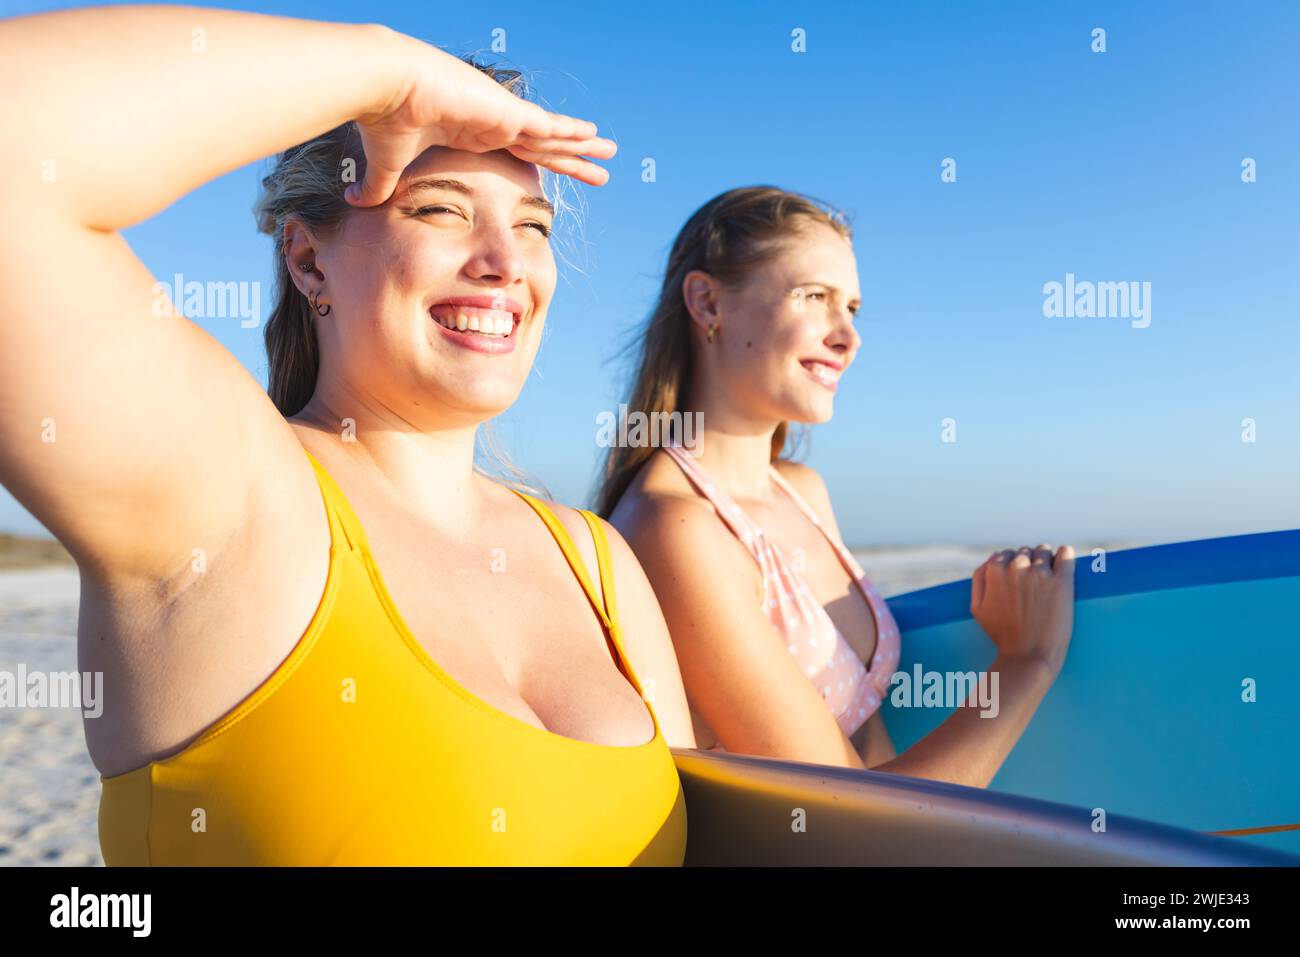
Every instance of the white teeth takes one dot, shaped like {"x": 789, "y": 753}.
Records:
{"x": 494, "y": 325}
{"x": 823, "y": 372}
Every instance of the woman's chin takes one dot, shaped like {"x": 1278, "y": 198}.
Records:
{"x": 471, "y": 405}
{"x": 813, "y": 414}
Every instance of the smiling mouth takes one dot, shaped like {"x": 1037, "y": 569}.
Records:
{"x": 473, "y": 320}
{"x": 826, "y": 374}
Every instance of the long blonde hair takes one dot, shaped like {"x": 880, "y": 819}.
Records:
{"x": 728, "y": 237}
{"x": 306, "y": 184}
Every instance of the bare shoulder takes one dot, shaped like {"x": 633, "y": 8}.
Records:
{"x": 574, "y": 525}
{"x": 654, "y": 515}
{"x": 573, "y": 522}
{"x": 681, "y": 542}
{"x": 807, "y": 482}
{"x": 682, "y": 529}
{"x": 632, "y": 589}
{"x": 660, "y": 499}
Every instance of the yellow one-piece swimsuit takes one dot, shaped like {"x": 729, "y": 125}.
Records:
{"x": 360, "y": 750}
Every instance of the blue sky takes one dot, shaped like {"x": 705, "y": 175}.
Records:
{"x": 1117, "y": 166}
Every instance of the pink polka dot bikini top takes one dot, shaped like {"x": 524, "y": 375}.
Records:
{"x": 851, "y": 691}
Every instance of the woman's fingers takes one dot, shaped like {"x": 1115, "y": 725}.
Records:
{"x": 1043, "y": 557}
{"x": 597, "y": 146}
{"x": 451, "y": 104}
{"x": 387, "y": 156}
{"x": 574, "y": 166}
{"x": 978, "y": 583}
{"x": 543, "y": 124}
{"x": 1063, "y": 566}
{"x": 374, "y": 189}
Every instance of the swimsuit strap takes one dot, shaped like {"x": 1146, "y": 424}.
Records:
{"x": 731, "y": 514}
{"x": 604, "y": 564}
{"x": 798, "y": 499}
{"x": 561, "y": 536}
{"x": 606, "y": 609}
{"x": 845, "y": 555}
{"x": 887, "y": 635}
{"x": 342, "y": 519}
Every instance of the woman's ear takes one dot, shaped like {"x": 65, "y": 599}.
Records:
{"x": 300, "y": 249}
{"x": 700, "y": 294}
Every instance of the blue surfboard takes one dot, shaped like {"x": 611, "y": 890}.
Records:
{"x": 1178, "y": 701}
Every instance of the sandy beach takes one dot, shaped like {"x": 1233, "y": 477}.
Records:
{"x": 49, "y": 791}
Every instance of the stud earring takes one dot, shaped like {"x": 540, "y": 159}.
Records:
{"x": 713, "y": 331}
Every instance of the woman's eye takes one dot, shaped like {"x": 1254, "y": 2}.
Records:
{"x": 430, "y": 210}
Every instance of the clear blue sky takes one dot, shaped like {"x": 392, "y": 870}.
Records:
{"x": 1115, "y": 166}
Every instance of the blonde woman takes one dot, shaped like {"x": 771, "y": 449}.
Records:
{"x": 325, "y": 637}
{"x": 786, "y": 648}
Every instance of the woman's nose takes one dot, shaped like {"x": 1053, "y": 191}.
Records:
{"x": 844, "y": 332}
{"x": 496, "y": 255}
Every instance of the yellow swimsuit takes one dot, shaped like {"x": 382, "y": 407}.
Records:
{"x": 360, "y": 750}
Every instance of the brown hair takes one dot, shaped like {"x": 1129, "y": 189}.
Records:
{"x": 306, "y": 184}
{"x": 728, "y": 237}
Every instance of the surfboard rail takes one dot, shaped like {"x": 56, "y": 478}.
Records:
{"x": 744, "y": 810}
{"x": 1205, "y": 561}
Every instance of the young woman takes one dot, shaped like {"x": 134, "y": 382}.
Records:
{"x": 785, "y": 647}
{"x": 325, "y": 638}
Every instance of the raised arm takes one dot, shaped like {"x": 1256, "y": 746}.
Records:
{"x": 133, "y": 436}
